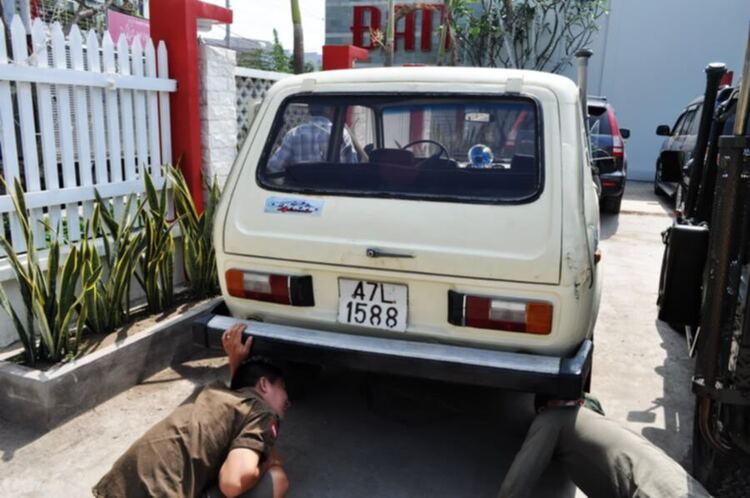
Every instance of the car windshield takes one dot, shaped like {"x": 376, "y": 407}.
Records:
{"x": 473, "y": 149}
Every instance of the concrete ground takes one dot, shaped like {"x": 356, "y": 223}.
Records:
{"x": 358, "y": 435}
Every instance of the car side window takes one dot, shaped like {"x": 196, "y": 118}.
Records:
{"x": 678, "y": 124}
{"x": 693, "y": 130}
{"x": 684, "y": 129}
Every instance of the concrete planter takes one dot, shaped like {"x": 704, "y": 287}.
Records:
{"x": 43, "y": 400}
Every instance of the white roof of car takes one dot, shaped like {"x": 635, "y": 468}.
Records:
{"x": 514, "y": 79}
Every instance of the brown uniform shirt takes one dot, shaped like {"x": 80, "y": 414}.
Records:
{"x": 604, "y": 459}
{"x": 182, "y": 453}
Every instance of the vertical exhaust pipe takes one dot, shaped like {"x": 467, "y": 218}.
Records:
{"x": 582, "y": 61}
{"x": 714, "y": 74}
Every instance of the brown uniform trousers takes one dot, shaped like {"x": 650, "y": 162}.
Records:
{"x": 604, "y": 459}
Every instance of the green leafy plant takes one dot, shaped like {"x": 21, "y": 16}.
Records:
{"x": 54, "y": 314}
{"x": 156, "y": 260}
{"x": 199, "y": 257}
{"x": 523, "y": 34}
{"x": 108, "y": 304}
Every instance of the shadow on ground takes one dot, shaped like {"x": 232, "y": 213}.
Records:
{"x": 675, "y": 402}
{"x": 368, "y": 435}
{"x": 608, "y": 225}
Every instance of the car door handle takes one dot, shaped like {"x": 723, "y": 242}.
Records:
{"x": 374, "y": 252}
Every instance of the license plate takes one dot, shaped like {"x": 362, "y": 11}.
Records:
{"x": 372, "y": 304}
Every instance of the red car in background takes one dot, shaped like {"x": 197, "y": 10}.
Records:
{"x": 608, "y": 153}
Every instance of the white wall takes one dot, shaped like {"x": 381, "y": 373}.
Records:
{"x": 653, "y": 63}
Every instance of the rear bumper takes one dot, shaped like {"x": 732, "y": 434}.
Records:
{"x": 613, "y": 184}
{"x": 564, "y": 377}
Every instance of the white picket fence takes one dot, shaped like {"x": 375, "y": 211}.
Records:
{"x": 78, "y": 115}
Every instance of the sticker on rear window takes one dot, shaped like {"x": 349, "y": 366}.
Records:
{"x": 290, "y": 205}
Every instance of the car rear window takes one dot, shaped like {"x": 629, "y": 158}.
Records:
{"x": 464, "y": 149}
{"x": 599, "y": 121}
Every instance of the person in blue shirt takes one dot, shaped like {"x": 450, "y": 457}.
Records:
{"x": 308, "y": 142}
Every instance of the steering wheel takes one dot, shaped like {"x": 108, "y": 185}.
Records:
{"x": 442, "y": 150}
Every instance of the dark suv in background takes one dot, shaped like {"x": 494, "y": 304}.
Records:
{"x": 677, "y": 150}
{"x": 608, "y": 153}
{"x": 673, "y": 164}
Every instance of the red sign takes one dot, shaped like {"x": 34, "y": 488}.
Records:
{"x": 366, "y": 19}
{"x": 130, "y": 26}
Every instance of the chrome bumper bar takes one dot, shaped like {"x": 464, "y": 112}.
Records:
{"x": 564, "y": 377}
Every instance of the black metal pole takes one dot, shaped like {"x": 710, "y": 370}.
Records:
{"x": 714, "y": 72}
{"x": 707, "y": 186}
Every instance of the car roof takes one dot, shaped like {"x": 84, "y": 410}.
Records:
{"x": 597, "y": 101}
{"x": 565, "y": 89}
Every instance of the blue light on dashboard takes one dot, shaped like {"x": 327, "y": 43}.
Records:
{"x": 480, "y": 156}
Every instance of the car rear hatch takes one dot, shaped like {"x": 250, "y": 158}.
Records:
{"x": 516, "y": 243}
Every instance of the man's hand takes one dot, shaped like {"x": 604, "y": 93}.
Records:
{"x": 234, "y": 348}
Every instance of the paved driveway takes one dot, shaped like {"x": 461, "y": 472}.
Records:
{"x": 360, "y": 436}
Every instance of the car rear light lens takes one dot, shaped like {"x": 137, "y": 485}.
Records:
{"x": 618, "y": 145}
{"x": 272, "y": 288}
{"x": 531, "y": 317}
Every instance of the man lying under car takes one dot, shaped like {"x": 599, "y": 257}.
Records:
{"x": 218, "y": 444}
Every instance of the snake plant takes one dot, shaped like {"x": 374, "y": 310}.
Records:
{"x": 199, "y": 258}
{"x": 155, "y": 267}
{"x": 53, "y": 316}
{"x": 108, "y": 305}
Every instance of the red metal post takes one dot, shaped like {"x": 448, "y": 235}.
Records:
{"x": 176, "y": 23}
{"x": 342, "y": 56}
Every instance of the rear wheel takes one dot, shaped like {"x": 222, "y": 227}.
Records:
{"x": 611, "y": 204}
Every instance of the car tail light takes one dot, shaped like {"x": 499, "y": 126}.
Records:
{"x": 618, "y": 145}
{"x": 513, "y": 315}
{"x": 272, "y": 288}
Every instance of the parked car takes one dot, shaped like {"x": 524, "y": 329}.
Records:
{"x": 677, "y": 150}
{"x": 433, "y": 222}
{"x": 671, "y": 175}
{"x": 608, "y": 152}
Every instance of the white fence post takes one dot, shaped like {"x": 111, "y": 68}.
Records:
{"x": 46, "y": 121}
{"x": 97, "y": 110}
{"x": 65, "y": 132}
{"x": 166, "y": 133}
{"x": 153, "y": 114}
{"x": 8, "y": 141}
{"x": 126, "y": 111}
{"x": 28, "y": 129}
{"x": 139, "y": 101}
{"x": 81, "y": 114}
